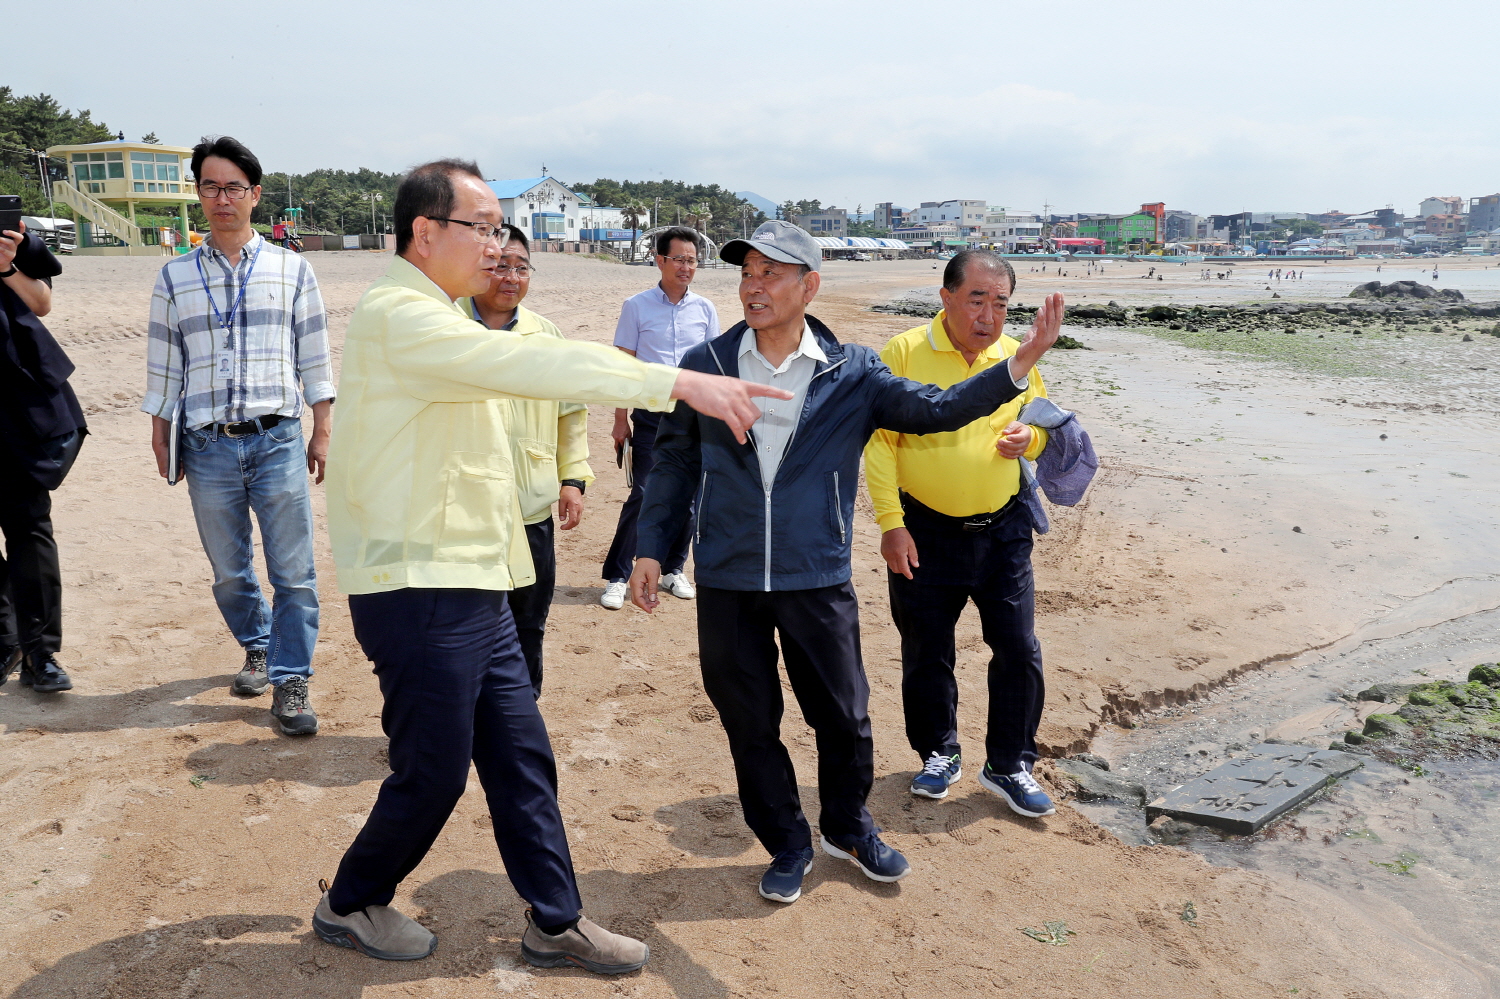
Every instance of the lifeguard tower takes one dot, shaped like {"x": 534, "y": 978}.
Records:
{"x": 108, "y": 181}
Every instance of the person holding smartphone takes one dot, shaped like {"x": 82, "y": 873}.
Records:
{"x": 41, "y": 429}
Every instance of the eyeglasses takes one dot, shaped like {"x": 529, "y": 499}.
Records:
{"x": 483, "y": 231}
{"x": 233, "y": 192}
{"x": 690, "y": 261}
{"x": 519, "y": 270}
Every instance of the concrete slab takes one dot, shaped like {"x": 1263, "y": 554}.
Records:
{"x": 1246, "y": 793}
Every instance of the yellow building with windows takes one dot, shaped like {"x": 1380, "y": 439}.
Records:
{"x": 108, "y": 181}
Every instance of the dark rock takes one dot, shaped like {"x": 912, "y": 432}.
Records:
{"x": 1387, "y": 692}
{"x": 1171, "y": 831}
{"x": 1091, "y": 759}
{"x": 1094, "y": 784}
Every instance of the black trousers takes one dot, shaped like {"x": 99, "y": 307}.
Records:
{"x": 30, "y": 579}
{"x": 993, "y": 568}
{"x": 819, "y": 633}
{"x": 530, "y": 605}
{"x": 621, "y": 558}
{"x": 456, "y": 689}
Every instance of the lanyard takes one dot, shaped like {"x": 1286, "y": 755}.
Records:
{"x": 226, "y": 323}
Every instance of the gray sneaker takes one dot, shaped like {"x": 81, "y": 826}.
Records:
{"x": 252, "y": 680}
{"x": 588, "y": 945}
{"x": 375, "y": 931}
{"x": 290, "y": 708}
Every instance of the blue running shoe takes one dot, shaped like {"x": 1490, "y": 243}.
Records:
{"x": 1020, "y": 791}
{"x": 782, "y": 882}
{"x": 937, "y": 773}
{"x": 878, "y": 861}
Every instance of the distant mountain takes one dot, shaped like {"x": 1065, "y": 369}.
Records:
{"x": 764, "y": 204}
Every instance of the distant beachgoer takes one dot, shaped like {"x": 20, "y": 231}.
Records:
{"x": 238, "y": 331}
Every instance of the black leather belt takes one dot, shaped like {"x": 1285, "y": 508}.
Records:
{"x": 975, "y": 524}
{"x": 248, "y": 427}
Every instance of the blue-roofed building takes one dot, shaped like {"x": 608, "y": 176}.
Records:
{"x": 540, "y": 207}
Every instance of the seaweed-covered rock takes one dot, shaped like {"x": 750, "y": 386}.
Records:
{"x": 1379, "y": 726}
{"x": 1387, "y": 692}
{"x": 1405, "y": 289}
{"x": 1486, "y": 673}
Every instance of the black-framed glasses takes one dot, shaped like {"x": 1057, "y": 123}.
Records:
{"x": 483, "y": 231}
{"x": 233, "y": 192}
{"x": 519, "y": 270}
{"x": 683, "y": 259}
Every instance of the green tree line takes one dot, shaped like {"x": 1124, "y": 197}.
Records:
{"x": 31, "y": 123}
{"x": 708, "y": 207}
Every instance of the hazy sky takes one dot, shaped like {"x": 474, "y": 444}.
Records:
{"x": 1089, "y": 106}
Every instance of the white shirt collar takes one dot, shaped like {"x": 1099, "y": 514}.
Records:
{"x": 809, "y": 347}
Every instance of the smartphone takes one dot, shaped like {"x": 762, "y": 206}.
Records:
{"x": 10, "y": 213}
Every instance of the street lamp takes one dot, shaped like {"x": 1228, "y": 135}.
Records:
{"x": 374, "y": 197}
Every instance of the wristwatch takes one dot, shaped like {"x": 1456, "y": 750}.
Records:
{"x": 575, "y": 483}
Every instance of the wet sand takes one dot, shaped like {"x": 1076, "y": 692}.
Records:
{"x": 162, "y": 840}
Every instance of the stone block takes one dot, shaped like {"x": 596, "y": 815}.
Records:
{"x": 1241, "y": 796}
{"x": 1094, "y": 784}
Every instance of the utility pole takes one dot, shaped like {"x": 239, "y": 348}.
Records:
{"x": 744, "y": 221}
{"x": 41, "y": 162}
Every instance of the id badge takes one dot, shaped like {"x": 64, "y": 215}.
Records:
{"x": 223, "y": 366}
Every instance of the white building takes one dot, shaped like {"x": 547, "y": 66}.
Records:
{"x": 1453, "y": 205}
{"x": 1009, "y": 230}
{"x": 540, "y": 207}
{"x": 967, "y": 215}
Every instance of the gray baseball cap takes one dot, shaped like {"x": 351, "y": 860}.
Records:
{"x": 778, "y": 240}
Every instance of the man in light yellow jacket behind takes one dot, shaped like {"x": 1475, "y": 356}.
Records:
{"x": 423, "y": 513}
{"x": 549, "y": 449}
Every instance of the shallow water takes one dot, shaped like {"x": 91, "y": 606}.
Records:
{"x": 1417, "y": 841}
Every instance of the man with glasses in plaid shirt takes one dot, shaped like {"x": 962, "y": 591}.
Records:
{"x": 239, "y": 340}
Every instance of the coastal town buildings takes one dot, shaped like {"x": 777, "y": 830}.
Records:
{"x": 1452, "y": 205}
{"x": 1484, "y": 213}
{"x": 828, "y": 222}
{"x": 968, "y": 215}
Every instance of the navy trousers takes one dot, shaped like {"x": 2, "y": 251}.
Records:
{"x": 456, "y": 689}
{"x": 621, "y": 558}
{"x": 819, "y": 633}
{"x": 531, "y": 604}
{"x": 993, "y": 568}
{"x": 30, "y": 578}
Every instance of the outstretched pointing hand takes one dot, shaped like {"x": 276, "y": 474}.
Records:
{"x": 728, "y": 399}
{"x": 1042, "y": 335}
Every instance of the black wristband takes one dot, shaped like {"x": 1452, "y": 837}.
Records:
{"x": 6, "y": 274}
{"x": 575, "y": 483}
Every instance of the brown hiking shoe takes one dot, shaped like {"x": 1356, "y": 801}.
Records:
{"x": 376, "y": 931}
{"x": 588, "y": 945}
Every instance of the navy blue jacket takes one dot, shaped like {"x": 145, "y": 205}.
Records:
{"x": 796, "y": 533}
{"x": 41, "y": 423}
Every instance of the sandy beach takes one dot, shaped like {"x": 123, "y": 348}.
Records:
{"x": 160, "y": 839}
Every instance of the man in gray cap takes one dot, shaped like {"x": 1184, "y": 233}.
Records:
{"x": 772, "y": 544}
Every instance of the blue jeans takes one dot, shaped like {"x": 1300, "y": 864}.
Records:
{"x": 227, "y": 478}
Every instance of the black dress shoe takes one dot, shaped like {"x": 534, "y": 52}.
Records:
{"x": 10, "y": 658}
{"x": 41, "y": 673}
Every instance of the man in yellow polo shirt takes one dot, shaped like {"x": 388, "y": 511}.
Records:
{"x": 955, "y": 529}
{"x": 422, "y": 514}
{"x": 549, "y": 449}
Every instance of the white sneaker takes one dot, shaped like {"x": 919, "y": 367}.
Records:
{"x": 676, "y": 583}
{"x": 614, "y": 594}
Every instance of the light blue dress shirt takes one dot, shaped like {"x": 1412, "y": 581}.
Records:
{"x": 662, "y": 332}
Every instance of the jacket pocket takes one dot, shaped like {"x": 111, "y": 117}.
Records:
{"x": 538, "y": 452}
{"x": 477, "y": 510}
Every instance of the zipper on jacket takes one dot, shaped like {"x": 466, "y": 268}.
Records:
{"x": 786, "y": 451}
{"x": 702, "y": 495}
{"x": 838, "y": 508}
